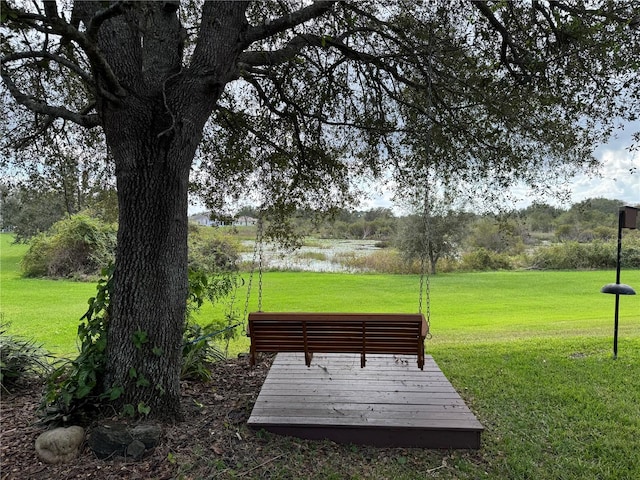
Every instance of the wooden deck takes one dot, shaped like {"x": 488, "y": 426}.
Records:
{"x": 389, "y": 403}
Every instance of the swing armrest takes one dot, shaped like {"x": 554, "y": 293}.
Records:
{"x": 424, "y": 331}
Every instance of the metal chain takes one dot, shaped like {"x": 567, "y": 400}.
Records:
{"x": 257, "y": 250}
{"x": 260, "y": 264}
{"x": 425, "y": 279}
{"x": 425, "y": 287}
{"x": 231, "y": 316}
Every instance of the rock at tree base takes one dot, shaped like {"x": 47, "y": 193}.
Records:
{"x": 60, "y": 444}
{"x": 115, "y": 439}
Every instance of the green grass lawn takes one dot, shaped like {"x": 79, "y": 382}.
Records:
{"x": 530, "y": 352}
{"x": 469, "y": 307}
{"x": 552, "y": 408}
{"x": 45, "y": 310}
{"x": 465, "y": 307}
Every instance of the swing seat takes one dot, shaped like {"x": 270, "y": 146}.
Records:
{"x": 363, "y": 333}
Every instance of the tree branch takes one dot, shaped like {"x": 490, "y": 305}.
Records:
{"x": 33, "y": 104}
{"x": 507, "y": 39}
{"x": 315, "y": 10}
{"x": 51, "y": 56}
{"x": 50, "y": 8}
{"x": 545, "y": 13}
{"x": 583, "y": 10}
{"x": 296, "y": 44}
{"x": 302, "y": 112}
{"x": 59, "y": 26}
{"x": 102, "y": 16}
{"x": 258, "y": 134}
{"x": 44, "y": 126}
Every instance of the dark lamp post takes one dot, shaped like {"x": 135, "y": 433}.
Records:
{"x": 627, "y": 218}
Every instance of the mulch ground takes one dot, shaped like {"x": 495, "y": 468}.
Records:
{"x": 212, "y": 441}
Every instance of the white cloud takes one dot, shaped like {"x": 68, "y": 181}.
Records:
{"x": 619, "y": 176}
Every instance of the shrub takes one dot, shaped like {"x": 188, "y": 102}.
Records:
{"x": 75, "y": 383}
{"x": 211, "y": 252}
{"x": 78, "y": 245}
{"x": 631, "y": 249}
{"x": 448, "y": 265}
{"x": 198, "y": 351}
{"x": 483, "y": 259}
{"x": 575, "y": 256}
{"x": 35, "y": 263}
{"x": 20, "y": 360}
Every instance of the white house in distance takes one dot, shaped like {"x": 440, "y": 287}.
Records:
{"x": 203, "y": 219}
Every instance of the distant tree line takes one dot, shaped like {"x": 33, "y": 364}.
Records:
{"x": 30, "y": 209}
{"x": 582, "y": 236}
{"x": 65, "y": 243}
{"x": 591, "y": 219}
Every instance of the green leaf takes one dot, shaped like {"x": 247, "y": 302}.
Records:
{"x": 143, "y": 409}
{"x": 5, "y": 14}
{"x": 142, "y": 382}
{"x": 133, "y": 373}
{"x": 83, "y": 391}
{"x": 115, "y": 393}
{"x": 139, "y": 338}
{"x": 128, "y": 410}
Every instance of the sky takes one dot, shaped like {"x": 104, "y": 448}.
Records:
{"x": 620, "y": 175}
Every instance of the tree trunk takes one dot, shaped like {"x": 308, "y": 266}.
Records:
{"x": 153, "y": 154}
{"x": 433, "y": 261}
{"x": 153, "y": 132}
{"x": 150, "y": 279}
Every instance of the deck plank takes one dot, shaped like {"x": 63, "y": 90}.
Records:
{"x": 390, "y": 402}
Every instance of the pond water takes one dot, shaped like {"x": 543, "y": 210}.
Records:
{"x": 321, "y": 255}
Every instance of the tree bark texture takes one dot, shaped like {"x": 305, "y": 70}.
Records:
{"x": 153, "y": 133}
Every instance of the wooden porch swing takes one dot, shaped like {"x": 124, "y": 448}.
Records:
{"x": 334, "y": 332}
{"x": 363, "y": 333}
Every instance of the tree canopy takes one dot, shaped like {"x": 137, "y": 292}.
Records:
{"x": 329, "y": 91}
{"x": 298, "y": 103}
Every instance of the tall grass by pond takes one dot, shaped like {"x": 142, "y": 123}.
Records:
{"x": 530, "y": 352}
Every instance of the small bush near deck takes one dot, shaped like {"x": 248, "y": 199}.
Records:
{"x": 199, "y": 351}
{"x": 20, "y": 360}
